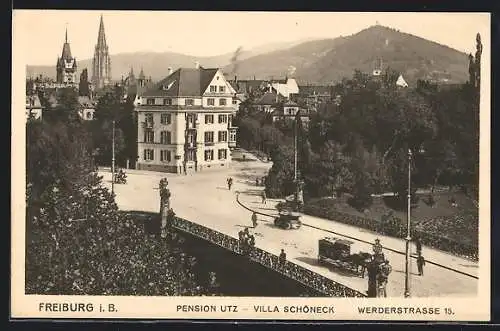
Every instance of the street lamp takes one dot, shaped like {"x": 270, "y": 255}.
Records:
{"x": 113, "y": 161}
{"x": 408, "y": 231}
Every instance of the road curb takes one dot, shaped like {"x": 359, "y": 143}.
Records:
{"x": 360, "y": 240}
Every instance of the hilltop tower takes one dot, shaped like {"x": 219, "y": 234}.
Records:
{"x": 101, "y": 64}
{"x": 66, "y": 65}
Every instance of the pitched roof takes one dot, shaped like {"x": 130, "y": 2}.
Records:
{"x": 314, "y": 89}
{"x": 267, "y": 99}
{"x": 183, "y": 82}
{"x": 85, "y": 101}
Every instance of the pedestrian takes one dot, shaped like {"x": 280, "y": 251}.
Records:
{"x": 257, "y": 181}
{"x": 418, "y": 244}
{"x": 264, "y": 196}
{"x": 282, "y": 257}
{"x": 254, "y": 220}
{"x": 229, "y": 183}
{"x": 377, "y": 250}
{"x": 251, "y": 241}
{"x": 385, "y": 270}
{"x": 420, "y": 265}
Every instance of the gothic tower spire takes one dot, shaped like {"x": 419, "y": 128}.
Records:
{"x": 66, "y": 64}
{"x": 101, "y": 66}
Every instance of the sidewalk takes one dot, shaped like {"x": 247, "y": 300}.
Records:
{"x": 397, "y": 244}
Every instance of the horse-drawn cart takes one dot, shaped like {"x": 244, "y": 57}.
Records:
{"x": 337, "y": 252}
{"x": 288, "y": 220}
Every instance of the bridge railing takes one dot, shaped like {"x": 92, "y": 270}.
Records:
{"x": 288, "y": 269}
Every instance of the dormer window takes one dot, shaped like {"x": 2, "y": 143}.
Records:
{"x": 166, "y": 87}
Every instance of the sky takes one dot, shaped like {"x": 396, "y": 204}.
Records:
{"x": 214, "y": 33}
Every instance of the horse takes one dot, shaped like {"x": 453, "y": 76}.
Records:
{"x": 358, "y": 260}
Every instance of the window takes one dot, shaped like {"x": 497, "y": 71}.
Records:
{"x": 209, "y": 137}
{"x": 190, "y": 138}
{"x": 149, "y": 136}
{"x": 213, "y": 88}
{"x": 222, "y": 136}
{"x": 191, "y": 155}
{"x": 235, "y": 102}
{"x": 89, "y": 115}
{"x": 211, "y": 101}
{"x": 166, "y": 137}
{"x": 148, "y": 118}
{"x": 209, "y": 155}
{"x": 222, "y": 89}
{"x": 222, "y": 118}
{"x": 189, "y": 102}
{"x": 165, "y": 155}
{"x": 150, "y": 101}
{"x": 222, "y": 102}
{"x": 165, "y": 118}
{"x": 222, "y": 153}
{"x": 209, "y": 119}
{"x": 167, "y": 102}
{"x": 232, "y": 136}
{"x": 190, "y": 119}
{"x": 149, "y": 154}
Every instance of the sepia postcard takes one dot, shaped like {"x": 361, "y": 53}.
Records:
{"x": 250, "y": 165}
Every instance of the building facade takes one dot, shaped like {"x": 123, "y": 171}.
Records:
{"x": 33, "y": 107}
{"x": 185, "y": 122}
{"x": 66, "y": 66}
{"x": 101, "y": 64}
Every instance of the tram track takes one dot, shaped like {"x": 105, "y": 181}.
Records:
{"x": 359, "y": 240}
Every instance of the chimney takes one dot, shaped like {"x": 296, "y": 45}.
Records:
{"x": 197, "y": 65}
{"x": 170, "y": 71}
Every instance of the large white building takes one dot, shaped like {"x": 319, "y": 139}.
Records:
{"x": 185, "y": 122}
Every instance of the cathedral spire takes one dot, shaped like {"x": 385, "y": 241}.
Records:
{"x": 101, "y": 38}
{"x": 101, "y": 65}
{"x": 66, "y": 36}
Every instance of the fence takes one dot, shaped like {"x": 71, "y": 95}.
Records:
{"x": 393, "y": 227}
{"x": 288, "y": 269}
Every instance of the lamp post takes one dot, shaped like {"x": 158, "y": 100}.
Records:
{"x": 113, "y": 161}
{"x": 408, "y": 231}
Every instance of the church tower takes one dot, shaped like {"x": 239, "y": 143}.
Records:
{"x": 101, "y": 65}
{"x": 66, "y": 65}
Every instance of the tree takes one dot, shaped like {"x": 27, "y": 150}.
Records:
{"x": 111, "y": 107}
{"x": 83, "y": 87}
{"x": 77, "y": 243}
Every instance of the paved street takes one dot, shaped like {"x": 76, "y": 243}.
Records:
{"x": 204, "y": 198}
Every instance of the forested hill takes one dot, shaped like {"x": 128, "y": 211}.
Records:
{"x": 324, "y": 61}
{"x": 314, "y": 61}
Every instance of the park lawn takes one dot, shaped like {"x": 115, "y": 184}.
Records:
{"x": 459, "y": 223}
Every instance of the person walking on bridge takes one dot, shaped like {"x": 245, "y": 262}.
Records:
{"x": 282, "y": 258}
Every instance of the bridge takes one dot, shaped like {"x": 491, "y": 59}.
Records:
{"x": 204, "y": 199}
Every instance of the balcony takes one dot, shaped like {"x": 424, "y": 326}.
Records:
{"x": 148, "y": 124}
{"x": 209, "y": 143}
{"x": 191, "y": 145}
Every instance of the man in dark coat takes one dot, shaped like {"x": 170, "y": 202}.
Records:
{"x": 420, "y": 265}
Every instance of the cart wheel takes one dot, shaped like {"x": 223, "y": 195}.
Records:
{"x": 288, "y": 226}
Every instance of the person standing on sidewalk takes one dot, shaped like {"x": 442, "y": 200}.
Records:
{"x": 264, "y": 196}
{"x": 254, "y": 220}
{"x": 420, "y": 265}
{"x": 418, "y": 245}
